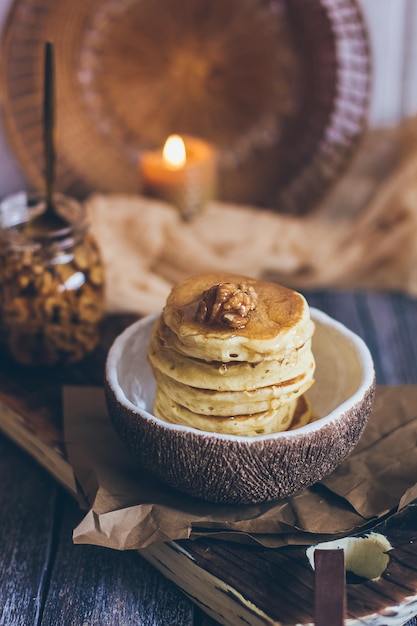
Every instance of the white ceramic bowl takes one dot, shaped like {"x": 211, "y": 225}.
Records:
{"x": 237, "y": 469}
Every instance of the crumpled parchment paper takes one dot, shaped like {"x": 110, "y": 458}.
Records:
{"x": 128, "y": 509}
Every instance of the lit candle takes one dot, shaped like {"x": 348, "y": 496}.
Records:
{"x": 183, "y": 172}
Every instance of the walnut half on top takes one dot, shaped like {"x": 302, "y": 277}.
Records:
{"x": 227, "y": 303}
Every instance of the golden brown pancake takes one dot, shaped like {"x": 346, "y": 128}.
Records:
{"x": 229, "y": 403}
{"x": 279, "y": 324}
{"x": 230, "y": 376}
{"x": 232, "y": 354}
{"x": 265, "y": 423}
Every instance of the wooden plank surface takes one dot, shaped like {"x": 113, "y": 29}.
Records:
{"x": 46, "y": 580}
{"x": 27, "y": 502}
{"x": 85, "y": 584}
{"x": 283, "y": 582}
{"x": 117, "y": 587}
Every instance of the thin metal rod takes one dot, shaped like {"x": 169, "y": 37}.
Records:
{"x": 49, "y": 122}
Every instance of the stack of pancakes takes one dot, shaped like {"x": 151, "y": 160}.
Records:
{"x": 246, "y": 379}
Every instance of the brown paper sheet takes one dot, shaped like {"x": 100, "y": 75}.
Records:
{"x": 128, "y": 509}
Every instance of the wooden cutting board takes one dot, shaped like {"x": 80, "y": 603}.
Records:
{"x": 235, "y": 584}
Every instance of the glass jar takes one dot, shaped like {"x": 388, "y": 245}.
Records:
{"x": 51, "y": 282}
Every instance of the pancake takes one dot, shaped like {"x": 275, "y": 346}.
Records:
{"x": 303, "y": 414}
{"x": 264, "y": 423}
{"x": 229, "y": 403}
{"x": 232, "y": 354}
{"x": 230, "y": 376}
{"x": 279, "y": 324}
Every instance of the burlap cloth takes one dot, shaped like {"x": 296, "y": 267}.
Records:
{"x": 362, "y": 235}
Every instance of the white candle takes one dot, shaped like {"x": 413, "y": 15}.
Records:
{"x": 183, "y": 172}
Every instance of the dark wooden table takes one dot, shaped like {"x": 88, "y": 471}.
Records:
{"x": 46, "y": 580}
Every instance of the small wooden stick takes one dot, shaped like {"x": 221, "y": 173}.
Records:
{"x": 330, "y": 588}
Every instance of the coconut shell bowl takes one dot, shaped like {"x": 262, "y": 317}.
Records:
{"x": 236, "y": 469}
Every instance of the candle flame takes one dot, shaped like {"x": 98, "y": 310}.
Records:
{"x": 174, "y": 153}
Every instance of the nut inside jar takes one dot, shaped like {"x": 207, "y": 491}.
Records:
{"x": 52, "y": 296}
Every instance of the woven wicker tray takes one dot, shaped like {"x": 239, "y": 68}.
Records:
{"x": 280, "y": 87}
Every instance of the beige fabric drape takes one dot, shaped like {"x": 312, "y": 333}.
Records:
{"x": 362, "y": 235}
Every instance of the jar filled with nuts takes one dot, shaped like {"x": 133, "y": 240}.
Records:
{"x": 51, "y": 282}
